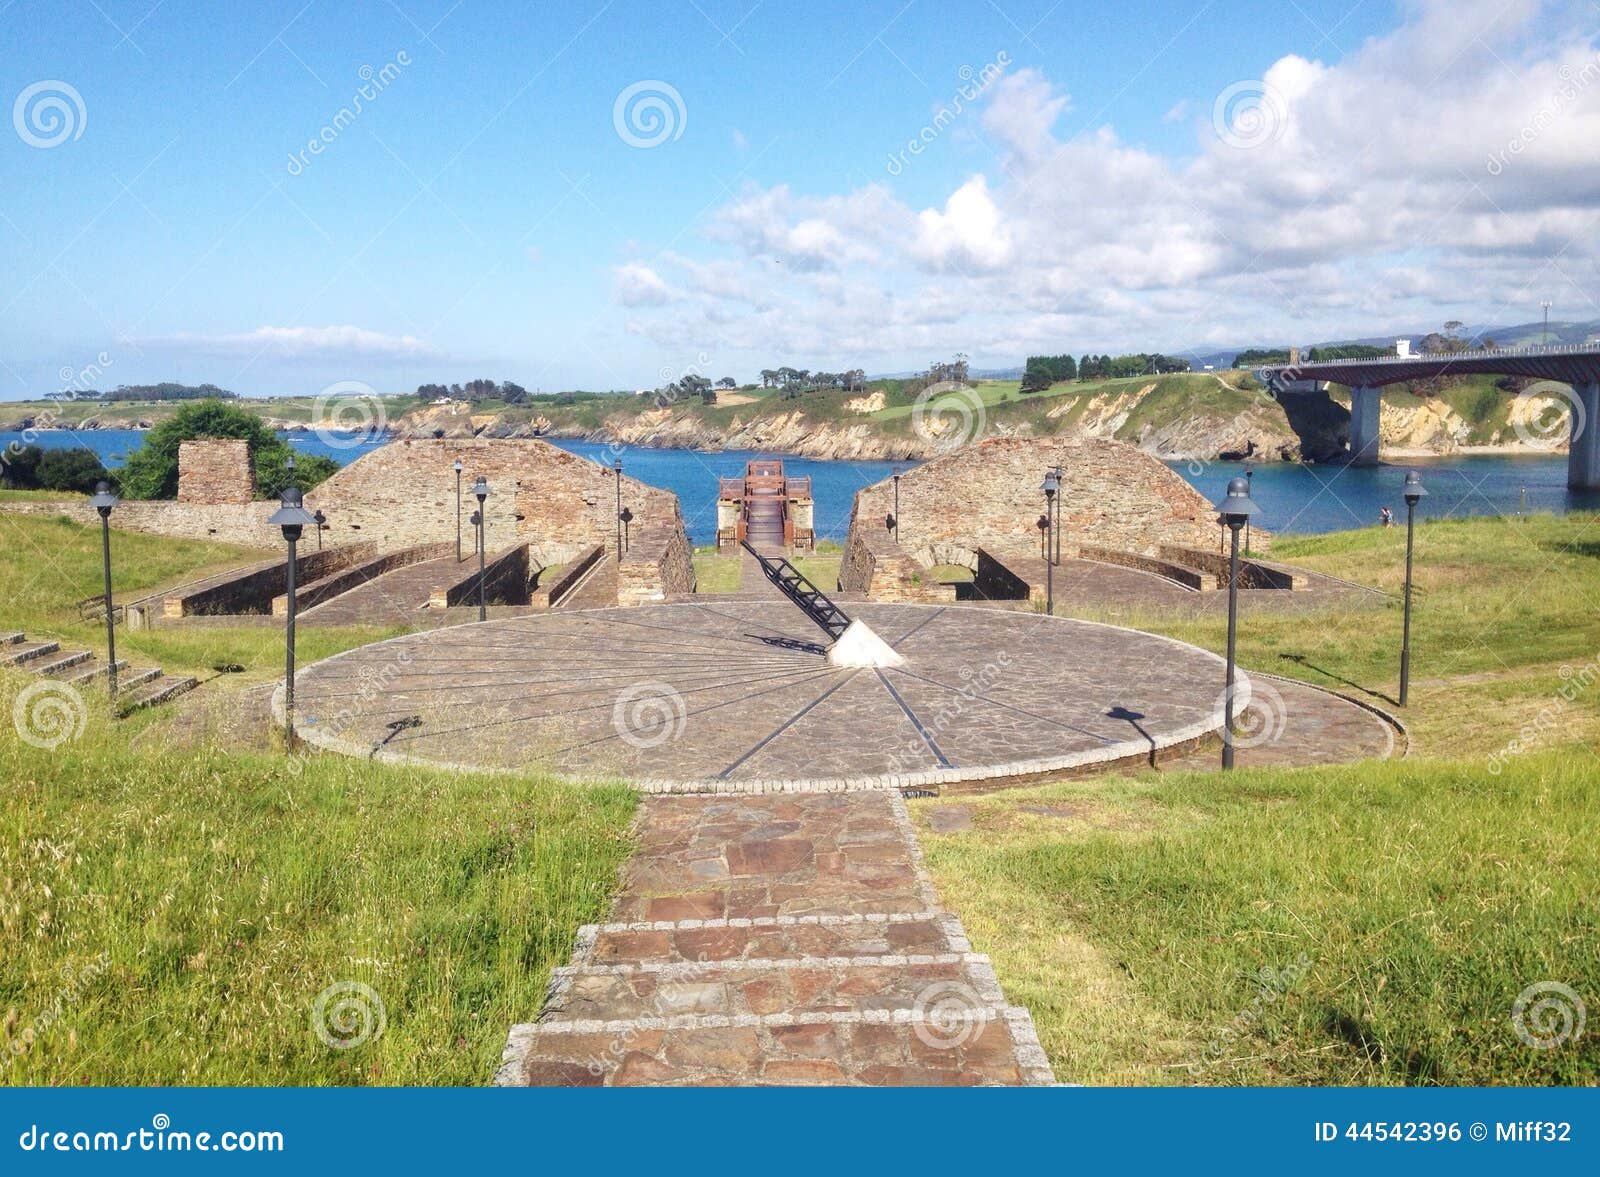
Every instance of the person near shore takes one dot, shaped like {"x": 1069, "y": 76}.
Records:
{"x": 1386, "y": 517}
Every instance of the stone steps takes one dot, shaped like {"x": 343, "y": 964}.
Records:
{"x": 22, "y": 652}
{"x": 88, "y": 670}
{"x": 735, "y": 989}
{"x": 136, "y": 689}
{"x": 770, "y": 940}
{"x": 774, "y": 938}
{"x": 58, "y": 662}
{"x": 160, "y": 689}
{"x": 950, "y": 1047}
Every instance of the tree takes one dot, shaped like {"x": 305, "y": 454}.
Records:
{"x": 727, "y": 382}
{"x": 77, "y": 469}
{"x": 152, "y": 469}
{"x": 1035, "y": 376}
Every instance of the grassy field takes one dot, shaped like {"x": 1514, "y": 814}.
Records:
{"x": 1400, "y": 908}
{"x": 174, "y": 904}
{"x": 172, "y": 918}
{"x": 1358, "y": 925}
{"x": 48, "y": 565}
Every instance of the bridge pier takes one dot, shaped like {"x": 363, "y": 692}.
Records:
{"x": 1365, "y": 411}
{"x": 1583, "y": 458}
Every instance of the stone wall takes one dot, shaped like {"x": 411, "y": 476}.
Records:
{"x": 215, "y": 470}
{"x": 987, "y": 495}
{"x": 875, "y": 565}
{"x": 556, "y": 502}
{"x": 403, "y": 494}
{"x": 1215, "y": 565}
{"x": 658, "y": 563}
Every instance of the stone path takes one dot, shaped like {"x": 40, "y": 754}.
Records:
{"x": 395, "y": 597}
{"x": 779, "y": 940}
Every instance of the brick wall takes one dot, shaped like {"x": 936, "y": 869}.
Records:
{"x": 987, "y": 495}
{"x": 215, "y": 470}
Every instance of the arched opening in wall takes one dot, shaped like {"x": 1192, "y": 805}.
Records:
{"x": 948, "y": 564}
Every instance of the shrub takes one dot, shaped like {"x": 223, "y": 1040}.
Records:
{"x": 152, "y": 469}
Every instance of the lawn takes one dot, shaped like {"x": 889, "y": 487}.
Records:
{"x": 49, "y": 564}
{"x": 1401, "y": 908}
{"x": 173, "y": 917}
{"x": 174, "y": 904}
{"x": 1357, "y": 925}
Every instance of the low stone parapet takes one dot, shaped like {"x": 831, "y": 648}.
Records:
{"x": 1252, "y": 573}
{"x": 881, "y": 570}
{"x": 1179, "y": 572}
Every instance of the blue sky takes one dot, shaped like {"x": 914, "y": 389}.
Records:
{"x": 482, "y": 215}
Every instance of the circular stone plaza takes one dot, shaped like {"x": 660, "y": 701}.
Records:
{"x": 937, "y": 647}
{"x": 740, "y": 696}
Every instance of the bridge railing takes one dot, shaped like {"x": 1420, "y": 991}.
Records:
{"x": 1542, "y": 349}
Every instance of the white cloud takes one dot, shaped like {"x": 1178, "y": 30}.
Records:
{"x": 1423, "y": 176}
{"x": 638, "y": 285}
{"x": 968, "y": 234}
{"x": 303, "y": 343}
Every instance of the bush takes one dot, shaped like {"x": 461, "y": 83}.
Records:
{"x": 152, "y": 469}
{"x": 77, "y": 469}
{"x": 33, "y": 467}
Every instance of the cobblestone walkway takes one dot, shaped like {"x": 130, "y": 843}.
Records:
{"x": 776, "y": 940}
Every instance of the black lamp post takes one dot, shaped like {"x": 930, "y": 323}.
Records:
{"x": 894, "y": 524}
{"x": 480, "y": 491}
{"x": 1050, "y": 486}
{"x": 1413, "y": 492}
{"x": 458, "y": 510}
{"x": 292, "y": 517}
{"x": 1055, "y": 522}
{"x": 1235, "y": 511}
{"x": 322, "y": 523}
{"x": 616, "y": 468}
{"x": 626, "y": 515}
{"x": 102, "y": 502}
{"x": 1250, "y": 486}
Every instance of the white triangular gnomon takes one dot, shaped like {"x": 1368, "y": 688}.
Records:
{"x": 859, "y": 647}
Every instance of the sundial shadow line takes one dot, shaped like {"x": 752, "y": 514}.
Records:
{"x": 567, "y": 711}
{"x": 615, "y": 735}
{"x": 625, "y": 675}
{"x": 787, "y": 724}
{"x": 1003, "y": 706}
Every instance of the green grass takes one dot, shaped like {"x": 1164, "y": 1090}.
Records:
{"x": 1417, "y": 899}
{"x": 14, "y": 495}
{"x": 1135, "y": 916}
{"x": 714, "y": 573}
{"x": 1502, "y": 605}
{"x": 50, "y": 563}
{"x": 207, "y": 897}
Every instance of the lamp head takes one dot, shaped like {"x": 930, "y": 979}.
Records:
{"x": 291, "y": 515}
{"x": 1412, "y": 489}
{"x": 457, "y": 465}
{"x": 1236, "y": 506}
{"x": 103, "y": 499}
{"x": 480, "y": 488}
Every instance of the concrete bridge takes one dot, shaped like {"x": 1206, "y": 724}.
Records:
{"x": 1577, "y": 366}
